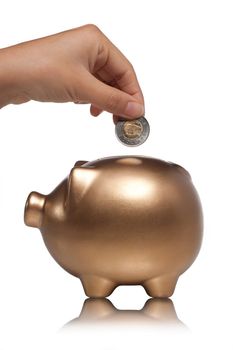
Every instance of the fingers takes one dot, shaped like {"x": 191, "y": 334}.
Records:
{"x": 115, "y": 119}
{"x": 110, "y": 99}
{"x": 108, "y": 82}
{"x": 95, "y": 111}
{"x": 118, "y": 69}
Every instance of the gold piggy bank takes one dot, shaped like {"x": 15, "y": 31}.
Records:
{"x": 121, "y": 221}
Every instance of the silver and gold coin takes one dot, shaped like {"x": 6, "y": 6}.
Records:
{"x": 132, "y": 132}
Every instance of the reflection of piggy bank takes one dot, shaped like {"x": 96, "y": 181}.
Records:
{"x": 121, "y": 220}
{"x": 156, "y": 312}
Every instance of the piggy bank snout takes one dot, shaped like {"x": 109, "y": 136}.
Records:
{"x": 33, "y": 213}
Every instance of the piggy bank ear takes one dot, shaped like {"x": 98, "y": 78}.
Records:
{"x": 80, "y": 163}
{"x": 79, "y": 181}
{"x": 180, "y": 169}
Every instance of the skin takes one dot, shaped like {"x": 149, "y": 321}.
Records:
{"x": 80, "y": 65}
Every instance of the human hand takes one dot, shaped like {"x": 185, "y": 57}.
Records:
{"x": 79, "y": 65}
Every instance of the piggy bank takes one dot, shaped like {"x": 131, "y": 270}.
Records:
{"x": 121, "y": 221}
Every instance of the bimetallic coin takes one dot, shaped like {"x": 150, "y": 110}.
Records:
{"x": 132, "y": 132}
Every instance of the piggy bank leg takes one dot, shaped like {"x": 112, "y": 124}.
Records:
{"x": 161, "y": 287}
{"x": 97, "y": 287}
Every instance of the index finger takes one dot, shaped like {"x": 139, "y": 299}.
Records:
{"x": 117, "y": 68}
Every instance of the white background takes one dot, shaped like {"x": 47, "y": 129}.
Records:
{"x": 182, "y": 53}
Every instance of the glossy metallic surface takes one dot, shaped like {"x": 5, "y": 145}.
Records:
{"x": 121, "y": 220}
{"x": 132, "y": 132}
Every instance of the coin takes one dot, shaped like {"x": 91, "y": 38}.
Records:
{"x": 132, "y": 132}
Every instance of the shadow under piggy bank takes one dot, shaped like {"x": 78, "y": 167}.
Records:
{"x": 156, "y": 312}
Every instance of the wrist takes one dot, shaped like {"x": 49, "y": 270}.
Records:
{"x": 8, "y": 77}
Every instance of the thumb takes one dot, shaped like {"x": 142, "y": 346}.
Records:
{"x": 111, "y": 99}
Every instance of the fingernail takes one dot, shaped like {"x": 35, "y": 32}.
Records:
{"x": 134, "y": 109}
